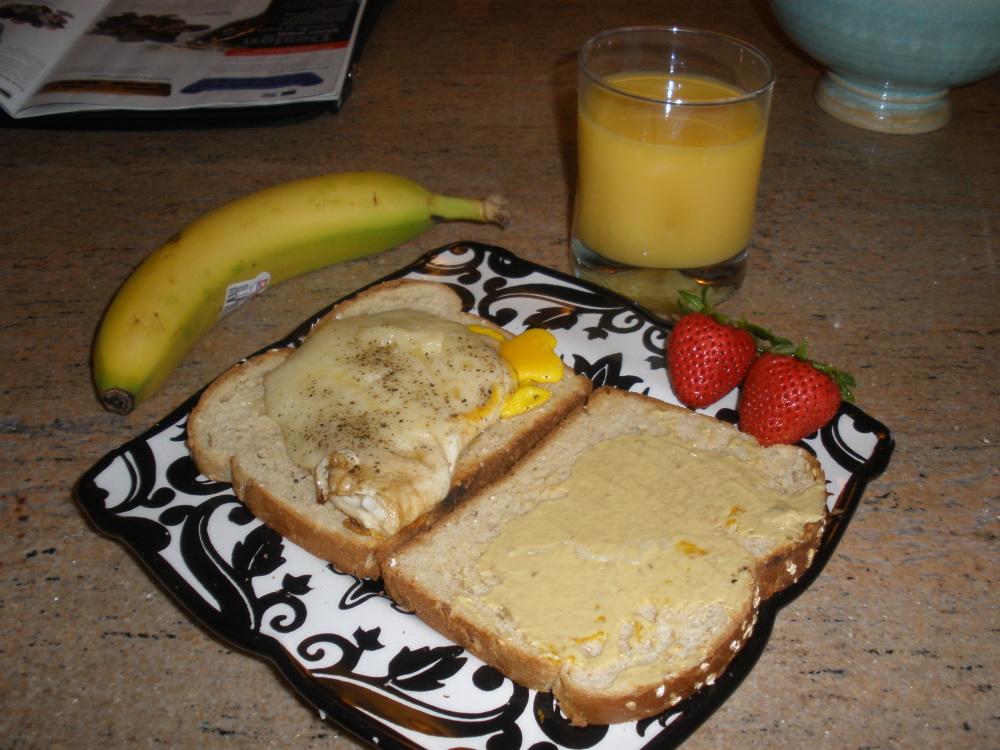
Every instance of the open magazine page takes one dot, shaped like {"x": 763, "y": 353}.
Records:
{"x": 180, "y": 54}
{"x": 33, "y": 38}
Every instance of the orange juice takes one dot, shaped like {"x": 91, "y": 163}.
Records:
{"x": 667, "y": 185}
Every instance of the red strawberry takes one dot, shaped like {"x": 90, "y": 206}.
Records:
{"x": 707, "y": 356}
{"x": 786, "y": 397}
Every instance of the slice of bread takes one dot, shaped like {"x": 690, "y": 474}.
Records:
{"x": 232, "y": 439}
{"x": 667, "y": 535}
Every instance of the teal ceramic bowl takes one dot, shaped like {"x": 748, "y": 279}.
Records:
{"x": 890, "y": 63}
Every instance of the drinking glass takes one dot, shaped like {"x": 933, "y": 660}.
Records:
{"x": 671, "y": 126}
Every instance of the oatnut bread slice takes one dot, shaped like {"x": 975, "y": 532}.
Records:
{"x": 232, "y": 437}
{"x": 620, "y": 565}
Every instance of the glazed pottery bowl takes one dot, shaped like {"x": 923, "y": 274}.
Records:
{"x": 890, "y": 63}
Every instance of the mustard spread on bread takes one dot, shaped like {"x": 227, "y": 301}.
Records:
{"x": 585, "y": 572}
{"x": 378, "y": 407}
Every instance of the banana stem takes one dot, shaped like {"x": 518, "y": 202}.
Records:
{"x": 490, "y": 210}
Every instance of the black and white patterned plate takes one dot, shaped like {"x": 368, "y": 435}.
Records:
{"x": 372, "y": 668}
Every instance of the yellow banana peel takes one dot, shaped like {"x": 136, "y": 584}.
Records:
{"x": 234, "y": 252}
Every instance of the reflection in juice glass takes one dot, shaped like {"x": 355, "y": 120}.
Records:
{"x": 671, "y": 127}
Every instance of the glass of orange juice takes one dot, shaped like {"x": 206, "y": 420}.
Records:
{"x": 671, "y": 125}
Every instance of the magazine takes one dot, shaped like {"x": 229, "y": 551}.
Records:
{"x": 68, "y": 56}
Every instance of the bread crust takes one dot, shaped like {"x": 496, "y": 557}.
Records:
{"x": 580, "y": 705}
{"x": 787, "y": 565}
{"x": 512, "y": 661}
{"x": 583, "y": 707}
{"x": 325, "y": 531}
{"x": 211, "y": 460}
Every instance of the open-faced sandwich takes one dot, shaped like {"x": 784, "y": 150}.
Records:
{"x": 621, "y": 564}
{"x": 396, "y": 405}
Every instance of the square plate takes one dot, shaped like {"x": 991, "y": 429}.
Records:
{"x": 364, "y": 663}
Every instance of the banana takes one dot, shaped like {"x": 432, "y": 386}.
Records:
{"x": 233, "y": 252}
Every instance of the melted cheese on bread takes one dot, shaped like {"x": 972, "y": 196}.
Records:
{"x": 378, "y": 407}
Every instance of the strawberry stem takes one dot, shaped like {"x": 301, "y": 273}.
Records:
{"x": 691, "y": 303}
{"x": 767, "y": 340}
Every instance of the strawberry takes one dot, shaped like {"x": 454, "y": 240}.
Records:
{"x": 707, "y": 355}
{"x": 787, "y": 397}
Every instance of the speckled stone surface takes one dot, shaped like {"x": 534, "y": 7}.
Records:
{"x": 881, "y": 249}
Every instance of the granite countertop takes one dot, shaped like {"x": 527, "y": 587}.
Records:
{"x": 881, "y": 249}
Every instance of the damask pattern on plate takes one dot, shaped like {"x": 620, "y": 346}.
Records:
{"x": 364, "y": 663}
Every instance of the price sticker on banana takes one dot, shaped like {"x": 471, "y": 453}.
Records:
{"x": 244, "y": 291}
